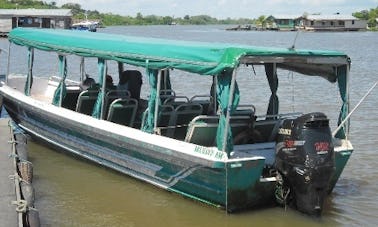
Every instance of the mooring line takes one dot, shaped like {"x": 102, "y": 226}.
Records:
{"x": 351, "y": 112}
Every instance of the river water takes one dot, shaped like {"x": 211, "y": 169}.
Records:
{"x": 74, "y": 192}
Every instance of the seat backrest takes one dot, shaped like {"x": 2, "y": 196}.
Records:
{"x": 166, "y": 94}
{"x": 86, "y": 102}
{"x": 245, "y": 110}
{"x": 112, "y": 95}
{"x": 202, "y": 129}
{"x": 122, "y": 111}
{"x": 175, "y": 101}
{"x": 204, "y": 100}
{"x": 165, "y": 114}
{"x": 184, "y": 114}
{"x": 239, "y": 123}
{"x": 164, "y": 126}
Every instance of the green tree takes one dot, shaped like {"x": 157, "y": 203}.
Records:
{"x": 167, "y": 20}
{"x": 75, "y": 8}
{"x": 139, "y": 16}
{"x": 364, "y": 14}
{"x": 369, "y": 15}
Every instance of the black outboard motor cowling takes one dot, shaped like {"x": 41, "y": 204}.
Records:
{"x": 305, "y": 159}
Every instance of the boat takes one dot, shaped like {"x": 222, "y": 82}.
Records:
{"x": 90, "y": 26}
{"x": 209, "y": 148}
{"x": 247, "y": 27}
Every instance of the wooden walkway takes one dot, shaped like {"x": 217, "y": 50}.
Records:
{"x": 8, "y": 214}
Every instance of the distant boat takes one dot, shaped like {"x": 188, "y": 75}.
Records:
{"x": 90, "y": 26}
{"x": 243, "y": 28}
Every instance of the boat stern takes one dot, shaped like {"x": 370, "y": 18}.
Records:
{"x": 246, "y": 185}
{"x": 343, "y": 151}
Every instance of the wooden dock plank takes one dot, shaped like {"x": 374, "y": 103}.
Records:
{"x": 8, "y": 214}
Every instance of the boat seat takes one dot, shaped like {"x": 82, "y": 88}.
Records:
{"x": 202, "y": 130}
{"x": 123, "y": 111}
{"x": 239, "y": 123}
{"x": 184, "y": 114}
{"x": 112, "y": 95}
{"x": 204, "y": 100}
{"x": 164, "y": 125}
{"x": 175, "y": 101}
{"x": 166, "y": 94}
{"x": 86, "y": 101}
{"x": 245, "y": 110}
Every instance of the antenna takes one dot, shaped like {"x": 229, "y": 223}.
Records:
{"x": 295, "y": 40}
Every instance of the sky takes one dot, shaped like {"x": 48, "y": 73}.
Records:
{"x": 222, "y": 9}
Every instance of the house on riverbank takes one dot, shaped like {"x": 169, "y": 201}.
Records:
{"x": 335, "y": 22}
{"x": 283, "y": 22}
{"x": 40, "y": 18}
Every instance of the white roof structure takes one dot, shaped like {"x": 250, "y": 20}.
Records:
{"x": 285, "y": 17}
{"x": 36, "y": 12}
{"x": 330, "y": 17}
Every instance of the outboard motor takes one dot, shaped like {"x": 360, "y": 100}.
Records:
{"x": 305, "y": 161}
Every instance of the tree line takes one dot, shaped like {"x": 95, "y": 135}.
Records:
{"x": 109, "y": 19}
{"x": 369, "y": 15}
{"x": 114, "y": 19}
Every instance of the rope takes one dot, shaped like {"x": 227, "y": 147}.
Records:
{"x": 21, "y": 205}
{"x": 281, "y": 192}
{"x": 12, "y": 142}
{"x": 351, "y": 112}
{"x": 17, "y": 177}
{"x": 11, "y": 155}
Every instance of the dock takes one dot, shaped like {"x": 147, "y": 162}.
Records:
{"x": 8, "y": 214}
{"x": 16, "y": 173}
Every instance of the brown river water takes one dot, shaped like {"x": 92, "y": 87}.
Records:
{"x": 74, "y": 192}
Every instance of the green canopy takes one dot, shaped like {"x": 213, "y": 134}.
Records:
{"x": 196, "y": 57}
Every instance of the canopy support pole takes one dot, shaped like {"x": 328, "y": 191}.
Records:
{"x": 157, "y": 99}
{"x": 63, "y": 77}
{"x": 8, "y": 63}
{"x": 30, "y": 71}
{"x": 103, "y": 90}
{"x": 120, "y": 69}
{"x": 228, "y": 114}
{"x": 348, "y": 100}
{"x": 214, "y": 94}
{"x": 82, "y": 69}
